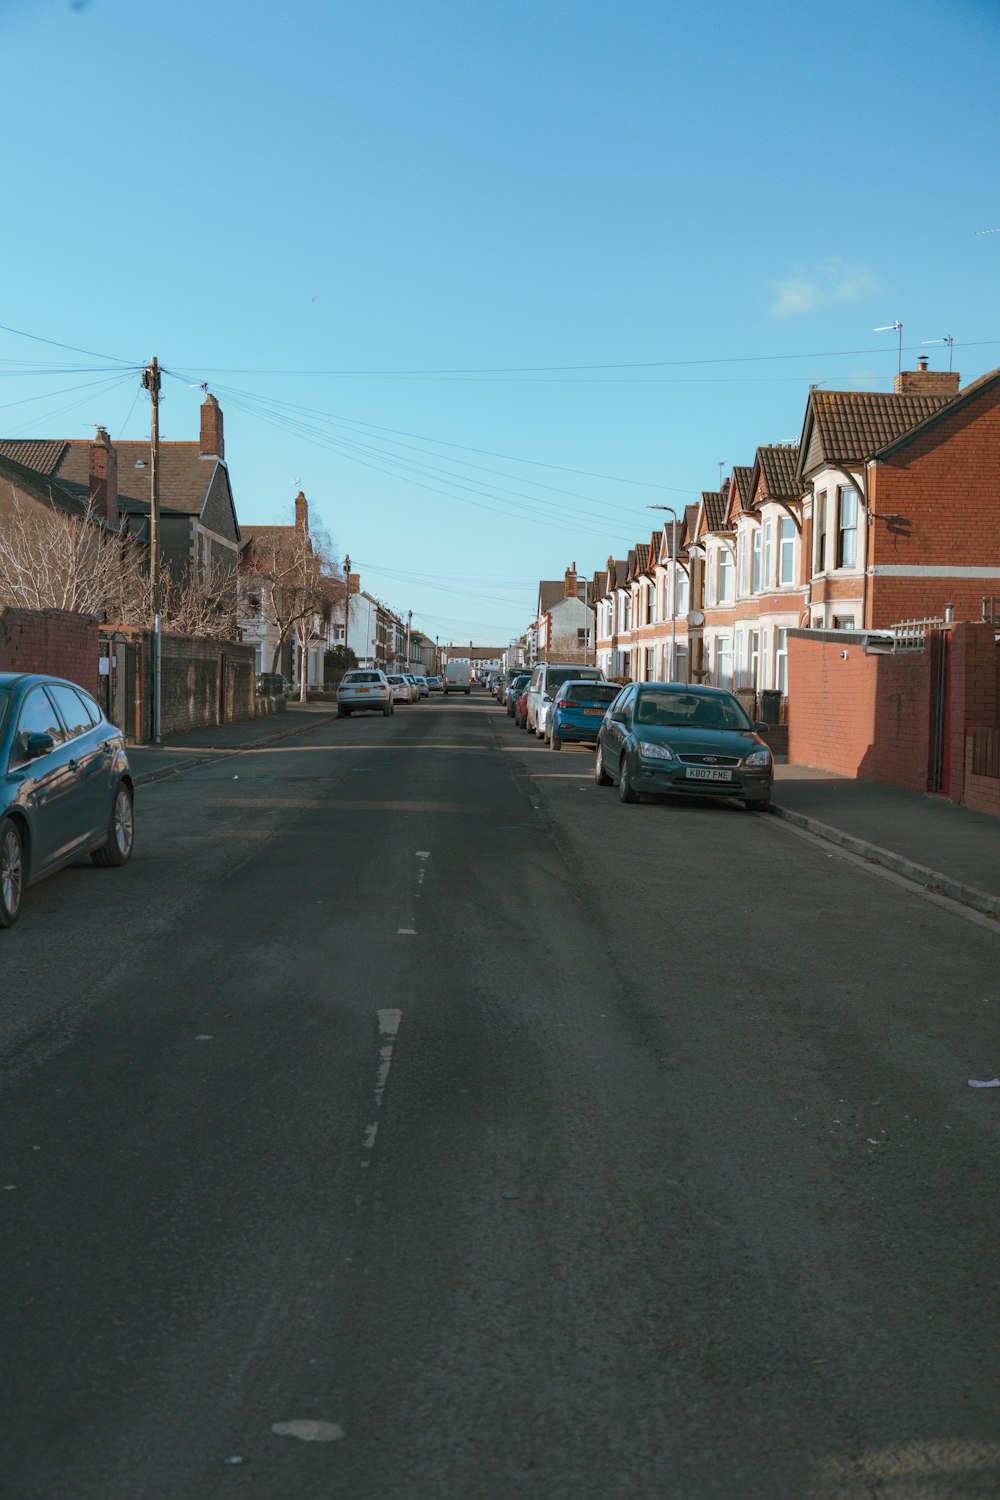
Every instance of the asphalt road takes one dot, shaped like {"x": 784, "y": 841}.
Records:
{"x": 533, "y": 1146}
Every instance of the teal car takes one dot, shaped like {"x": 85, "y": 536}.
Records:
{"x": 670, "y": 738}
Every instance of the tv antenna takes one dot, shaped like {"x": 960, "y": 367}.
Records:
{"x": 949, "y": 340}
{"x": 896, "y": 327}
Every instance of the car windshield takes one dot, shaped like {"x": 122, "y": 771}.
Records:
{"x": 362, "y": 677}
{"x": 679, "y": 709}
{"x": 590, "y": 692}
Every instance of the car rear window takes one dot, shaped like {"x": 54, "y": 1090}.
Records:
{"x": 362, "y": 677}
{"x": 590, "y": 692}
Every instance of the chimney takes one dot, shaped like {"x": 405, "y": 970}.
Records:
{"x": 926, "y": 382}
{"x": 301, "y": 513}
{"x": 570, "y": 585}
{"x": 104, "y": 478}
{"x": 212, "y": 442}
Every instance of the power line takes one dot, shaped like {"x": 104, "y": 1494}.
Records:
{"x": 654, "y": 364}
{"x": 71, "y": 347}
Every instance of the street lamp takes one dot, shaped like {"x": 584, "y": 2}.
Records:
{"x": 673, "y": 585}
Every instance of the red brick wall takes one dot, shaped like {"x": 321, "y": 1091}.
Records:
{"x": 52, "y": 641}
{"x": 942, "y": 486}
{"x": 863, "y": 716}
{"x": 872, "y": 716}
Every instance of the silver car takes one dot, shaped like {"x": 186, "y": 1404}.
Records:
{"x": 364, "y": 690}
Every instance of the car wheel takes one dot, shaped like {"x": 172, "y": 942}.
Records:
{"x": 757, "y": 804}
{"x": 121, "y": 831}
{"x": 387, "y": 710}
{"x": 626, "y": 791}
{"x": 12, "y": 872}
{"x": 341, "y": 712}
{"x": 600, "y": 774}
{"x": 555, "y": 743}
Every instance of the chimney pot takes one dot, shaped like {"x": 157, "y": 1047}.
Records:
{"x": 923, "y": 362}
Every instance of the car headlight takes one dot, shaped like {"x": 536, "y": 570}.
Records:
{"x": 759, "y": 757}
{"x": 650, "y": 751}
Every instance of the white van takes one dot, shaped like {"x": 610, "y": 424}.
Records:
{"x": 546, "y": 677}
{"x": 457, "y": 678}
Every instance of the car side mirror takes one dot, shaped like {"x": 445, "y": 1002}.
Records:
{"x": 761, "y": 728}
{"x": 38, "y": 744}
{"x": 546, "y": 697}
{"x": 617, "y": 715}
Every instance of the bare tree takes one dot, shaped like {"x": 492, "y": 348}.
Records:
{"x": 293, "y": 581}
{"x": 50, "y": 559}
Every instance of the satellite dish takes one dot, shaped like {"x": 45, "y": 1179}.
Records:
{"x": 696, "y": 617}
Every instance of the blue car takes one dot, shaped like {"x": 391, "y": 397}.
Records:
{"x": 578, "y": 711}
{"x": 65, "y": 785}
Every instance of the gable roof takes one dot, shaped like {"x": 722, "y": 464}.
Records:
{"x": 847, "y": 427}
{"x": 40, "y": 486}
{"x": 777, "y": 464}
{"x": 185, "y": 475}
{"x": 714, "y": 509}
{"x": 973, "y": 389}
{"x": 552, "y": 591}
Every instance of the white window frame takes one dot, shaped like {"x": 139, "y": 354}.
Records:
{"x": 755, "y": 568}
{"x": 786, "y": 552}
{"x": 781, "y": 659}
{"x": 768, "y": 549}
{"x": 727, "y": 576}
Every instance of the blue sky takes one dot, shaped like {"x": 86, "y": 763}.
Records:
{"x": 721, "y": 200}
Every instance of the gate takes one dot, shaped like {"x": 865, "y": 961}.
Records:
{"x": 120, "y": 678}
{"x": 939, "y": 770}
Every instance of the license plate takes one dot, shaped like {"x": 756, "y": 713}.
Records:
{"x": 708, "y": 773}
{"x": 593, "y": 710}
{"x": 362, "y": 690}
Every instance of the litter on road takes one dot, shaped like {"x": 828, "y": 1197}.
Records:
{"x": 987, "y": 1083}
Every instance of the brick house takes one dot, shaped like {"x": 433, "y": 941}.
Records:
{"x": 199, "y": 528}
{"x": 842, "y": 434}
{"x": 766, "y": 510}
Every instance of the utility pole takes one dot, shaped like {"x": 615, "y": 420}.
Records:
{"x": 409, "y": 617}
{"x": 347, "y": 602}
{"x": 151, "y": 381}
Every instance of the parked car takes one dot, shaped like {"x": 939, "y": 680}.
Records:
{"x": 436, "y": 684}
{"x": 521, "y": 708}
{"x": 402, "y": 692}
{"x": 578, "y": 710}
{"x": 457, "y": 678}
{"x": 422, "y": 684}
{"x": 364, "y": 691}
{"x": 412, "y": 684}
{"x": 546, "y": 677}
{"x": 514, "y": 691}
{"x": 697, "y": 741}
{"x": 65, "y": 785}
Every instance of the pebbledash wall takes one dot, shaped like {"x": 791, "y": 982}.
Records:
{"x": 872, "y": 716}
{"x": 53, "y": 641}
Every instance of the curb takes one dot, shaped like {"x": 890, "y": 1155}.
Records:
{"x": 935, "y": 881}
{"x": 145, "y": 777}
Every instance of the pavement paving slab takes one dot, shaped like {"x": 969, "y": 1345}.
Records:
{"x": 928, "y": 831}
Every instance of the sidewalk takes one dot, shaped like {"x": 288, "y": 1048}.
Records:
{"x": 179, "y": 751}
{"x": 927, "y": 839}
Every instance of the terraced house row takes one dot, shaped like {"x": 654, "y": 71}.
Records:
{"x": 884, "y": 512}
